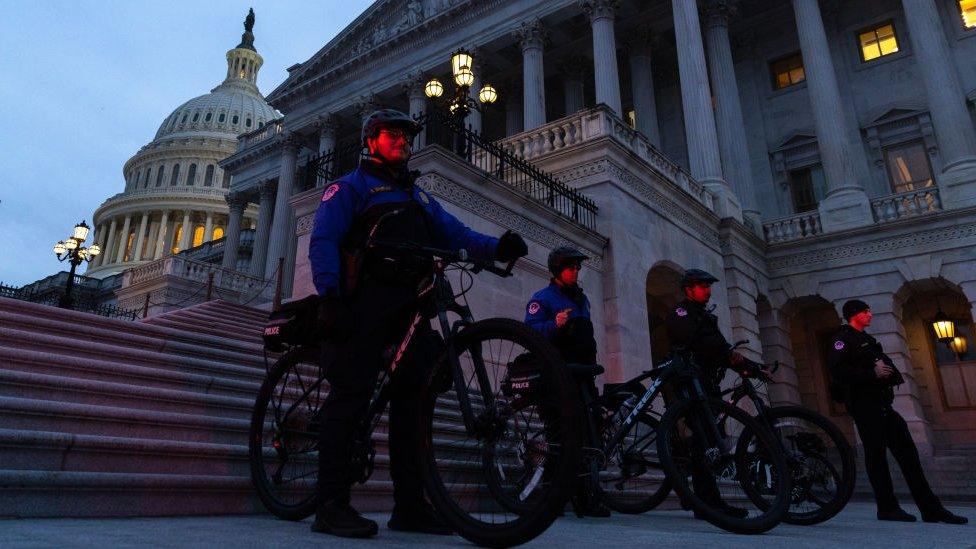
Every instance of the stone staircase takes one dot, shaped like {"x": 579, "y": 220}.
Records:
{"x": 951, "y": 472}
{"x": 106, "y": 417}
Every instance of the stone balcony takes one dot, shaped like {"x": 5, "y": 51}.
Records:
{"x": 268, "y": 131}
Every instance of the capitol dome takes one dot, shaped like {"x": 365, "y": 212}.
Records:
{"x": 174, "y": 196}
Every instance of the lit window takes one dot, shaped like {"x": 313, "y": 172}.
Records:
{"x": 908, "y": 167}
{"x": 177, "y": 236}
{"x": 127, "y": 256}
{"x": 632, "y": 118}
{"x": 197, "y": 236}
{"x": 878, "y": 42}
{"x": 968, "y": 9}
{"x": 218, "y": 233}
{"x": 787, "y": 71}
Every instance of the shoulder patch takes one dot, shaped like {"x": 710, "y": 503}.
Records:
{"x": 330, "y": 192}
{"x": 681, "y": 311}
{"x": 838, "y": 345}
{"x": 534, "y": 307}
{"x": 422, "y": 196}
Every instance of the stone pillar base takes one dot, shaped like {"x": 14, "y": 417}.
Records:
{"x": 726, "y": 203}
{"x": 846, "y": 209}
{"x": 957, "y": 185}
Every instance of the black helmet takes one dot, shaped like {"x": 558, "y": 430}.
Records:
{"x": 385, "y": 118}
{"x": 563, "y": 256}
{"x": 696, "y": 276}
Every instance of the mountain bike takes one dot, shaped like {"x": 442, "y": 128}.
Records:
{"x": 821, "y": 460}
{"x": 711, "y": 465}
{"x": 467, "y": 412}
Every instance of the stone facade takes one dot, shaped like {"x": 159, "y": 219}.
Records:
{"x": 773, "y": 148}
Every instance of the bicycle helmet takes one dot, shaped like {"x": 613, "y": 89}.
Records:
{"x": 385, "y": 118}
{"x": 696, "y": 276}
{"x": 563, "y": 256}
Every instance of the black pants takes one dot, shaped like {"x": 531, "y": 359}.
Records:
{"x": 882, "y": 428}
{"x": 352, "y": 369}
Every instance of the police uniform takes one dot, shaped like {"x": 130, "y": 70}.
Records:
{"x": 574, "y": 340}
{"x": 851, "y": 356}
{"x": 691, "y": 327}
{"x": 376, "y": 285}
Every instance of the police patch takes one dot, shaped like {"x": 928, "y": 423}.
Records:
{"x": 838, "y": 345}
{"x": 680, "y": 311}
{"x": 534, "y": 307}
{"x": 330, "y": 192}
{"x": 423, "y": 197}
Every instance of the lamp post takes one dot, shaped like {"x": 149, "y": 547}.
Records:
{"x": 71, "y": 249}
{"x": 462, "y": 69}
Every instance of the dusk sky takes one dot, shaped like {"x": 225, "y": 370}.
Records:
{"x": 87, "y": 83}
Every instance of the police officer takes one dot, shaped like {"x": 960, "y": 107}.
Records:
{"x": 864, "y": 376}
{"x": 561, "y": 313}
{"x": 364, "y": 292}
{"x": 693, "y": 328}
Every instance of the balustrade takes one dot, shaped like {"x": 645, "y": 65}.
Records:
{"x": 907, "y": 204}
{"x": 794, "y": 227}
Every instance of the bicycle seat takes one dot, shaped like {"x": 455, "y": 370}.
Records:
{"x": 584, "y": 371}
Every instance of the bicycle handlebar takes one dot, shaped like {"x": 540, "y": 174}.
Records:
{"x": 451, "y": 256}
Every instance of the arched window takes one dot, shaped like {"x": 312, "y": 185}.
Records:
{"x": 159, "y": 175}
{"x": 183, "y": 120}
{"x": 138, "y": 178}
{"x": 198, "y": 234}
{"x": 218, "y": 233}
{"x": 226, "y": 182}
{"x": 247, "y": 122}
{"x": 196, "y": 116}
{"x": 145, "y": 182}
{"x": 191, "y": 175}
{"x": 221, "y": 118}
{"x": 208, "y": 117}
{"x": 234, "y": 120}
{"x": 208, "y": 176}
{"x": 175, "y": 175}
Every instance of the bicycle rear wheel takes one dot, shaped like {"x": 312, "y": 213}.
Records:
{"x": 740, "y": 482}
{"x": 283, "y": 438}
{"x": 634, "y": 481}
{"x": 500, "y": 477}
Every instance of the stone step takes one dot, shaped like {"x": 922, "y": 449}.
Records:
{"x": 219, "y": 309}
{"x": 221, "y": 316}
{"x": 213, "y": 330}
{"x": 237, "y": 327}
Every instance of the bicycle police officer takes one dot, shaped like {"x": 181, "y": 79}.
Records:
{"x": 693, "y": 328}
{"x": 561, "y": 313}
{"x": 363, "y": 296}
{"x": 863, "y": 376}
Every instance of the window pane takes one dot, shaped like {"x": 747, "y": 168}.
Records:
{"x": 797, "y": 75}
{"x": 801, "y": 188}
{"x": 878, "y": 42}
{"x": 218, "y": 233}
{"x": 787, "y": 71}
{"x": 197, "y": 236}
{"x": 908, "y": 167}
{"x": 968, "y": 9}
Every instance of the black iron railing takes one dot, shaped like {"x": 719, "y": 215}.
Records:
{"x": 78, "y": 302}
{"x": 444, "y": 129}
{"x": 329, "y": 166}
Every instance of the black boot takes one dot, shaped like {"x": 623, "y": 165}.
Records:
{"x": 896, "y": 515}
{"x": 419, "y": 517}
{"x": 944, "y": 515}
{"x": 340, "y": 519}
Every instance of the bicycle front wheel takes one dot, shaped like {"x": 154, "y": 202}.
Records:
{"x": 738, "y": 481}
{"x": 500, "y": 452}
{"x": 634, "y": 481}
{"x": 283, "y": 438}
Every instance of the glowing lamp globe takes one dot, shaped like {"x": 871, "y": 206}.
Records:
{"x": 60, "y": 248}
{"x": 958, "y": 345}
{"x": 70, "y": 244}
{"x": 81, "y": 232}
{"x": 434, "y": 88}
{"x": 487, "y": 95}
{"x": 945, "y": 328}
{"x": 464, "y": 77}
{"x": 461, "y": 60}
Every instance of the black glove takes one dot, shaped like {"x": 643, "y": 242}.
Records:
{"x": 335, "y": 319}
{"x": 511, "y": 247}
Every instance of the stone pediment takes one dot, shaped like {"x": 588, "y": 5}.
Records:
{"x": 890, "y": 113}
{"x": 796, "y": 139}
{"x": 381, "y": 25}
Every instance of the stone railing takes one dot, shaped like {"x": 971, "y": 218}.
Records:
{"x": 793, "y": 227}
{"x": 267, "y": 131}
{"x": 171, "y": 191}
{"x": 596, "y": 123}
{"x": 906, "y": 204}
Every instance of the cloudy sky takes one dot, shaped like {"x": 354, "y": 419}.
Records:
{"x": 86, "y": 83}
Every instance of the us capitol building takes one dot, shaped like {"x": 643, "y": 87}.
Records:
{"x": 805, "y": 152}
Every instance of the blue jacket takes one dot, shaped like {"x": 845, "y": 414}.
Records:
{"x": 344, "y": 199}
{"x": 540, "y": 312}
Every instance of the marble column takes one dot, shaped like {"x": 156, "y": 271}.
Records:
{"x": 208, "y": 228}
{"x": 151, "y": 239}
{"x": 102, "y": 238}
{"x": 186, "y": 237}
{"x": 946, "y": 101}
{"x": 141, "y": 237}
{"x": 366, "y": 105}
{"x": 110, "y": 244}
{"x": 162, "y": 245}
{"x": 232, "y": 237}
{"x": 606, "y": 79}
{"x": 328, "y": 125}
{"x": 124, "y": 239}
{"x": 642, "y": 87}
{"x": 574, "y": 70}
{"x": 696, "y": 99}
{"x": 514, "y": 122}
{"x": 265, "y": 212}
{"x": 532, "y": 37}
{"x": 728, "y": 108}
{"x": 414, "y": 88}
{"x": 278, "y": 237}
{"x": 846, "y": 204}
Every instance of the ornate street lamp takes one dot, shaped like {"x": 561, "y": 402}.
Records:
{"x": 958, "y": 345}
{"x": 944, "y": 327}
{"x": 462, "y": 71}
{"x": 71, "y": 249}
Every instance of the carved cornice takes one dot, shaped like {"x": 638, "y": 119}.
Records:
{"x": 499, "y": 214}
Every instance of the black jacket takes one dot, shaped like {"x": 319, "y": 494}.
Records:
{"x": 850, "y": 360}
{"x": 693, "y": 328}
